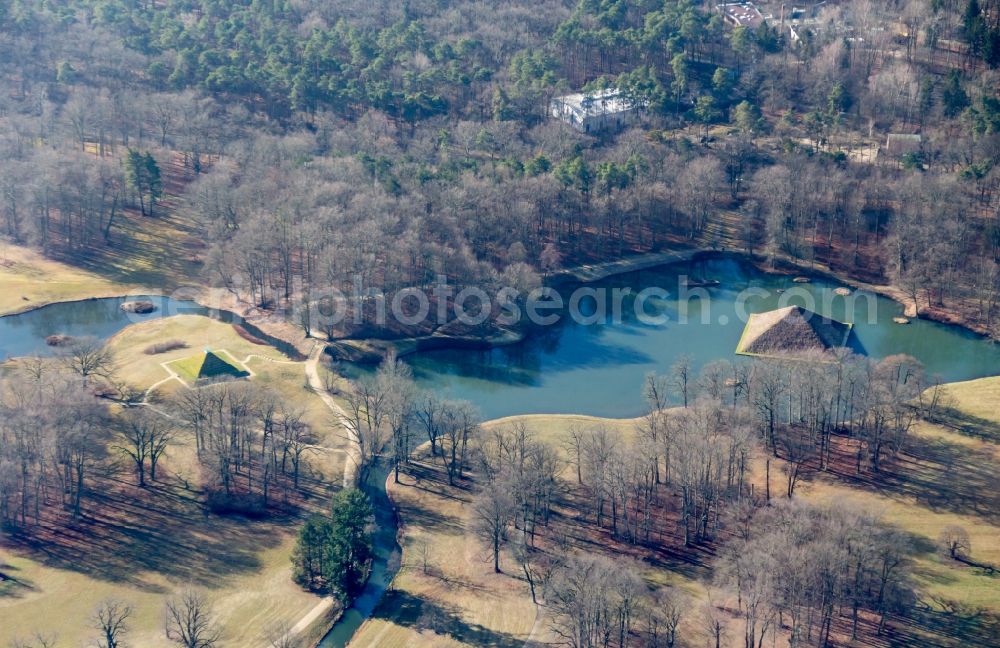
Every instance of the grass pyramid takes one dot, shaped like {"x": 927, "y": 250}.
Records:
{"x": 208, "y": 366}
{"x": 791, "y": 330}
{"x": 213, "y": 366}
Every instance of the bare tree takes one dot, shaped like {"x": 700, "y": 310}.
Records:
{"x": 189, "y": 621}
{"x": 536, "y": 567}
{"x": 680, "y": 375}
{"x": 493, "y": 512}
{"x": 111, "y": 621}
{"x": 39, "y": 640}
{"x": 397, "y": 382}
{"x": 145, "y": 437}
{"x": 663, "y": 613}
{"x": 594, "y": 601}
{"x": 282, "y": 636}
{"x": 460, "y": 422}
{"x": 715, "y": 622}
{"x": 798, "y": 448}
{"x": 90, "y": 357}
{"x": 428, "y": 414}
{"x": 364, "y": 420}
{"x": 955, "y": 542}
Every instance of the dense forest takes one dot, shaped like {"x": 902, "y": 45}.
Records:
{"x": 317, "y": 145}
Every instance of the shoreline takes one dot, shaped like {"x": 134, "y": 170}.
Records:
{"x": 115, "y": 294}
{"x": 372, "y": 350}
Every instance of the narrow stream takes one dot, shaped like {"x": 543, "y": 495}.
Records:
{"x": 384, "y": 566}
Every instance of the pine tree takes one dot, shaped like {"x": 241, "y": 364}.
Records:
{"x": 142, "y": 174}
{"x": 333, "y": 552}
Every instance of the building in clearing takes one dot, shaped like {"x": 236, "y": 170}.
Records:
{"x": 900, "y": 144}
{"x": 593, "y": 112}
{"x": 791, "y": 331}
{"x": 741, "y": 14}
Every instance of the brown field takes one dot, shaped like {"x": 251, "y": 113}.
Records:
{"x": 31, "y": 280}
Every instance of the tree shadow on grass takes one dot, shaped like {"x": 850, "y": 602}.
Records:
{"x": 572, "y": 522}
{"x": 949, "y": 626}
{"x": 430, "y": 479}
{"x": 404, "y": 609}
{"x": 11, "y": 584}
{"x": 967, "y": 424}
{"x": 937, "y": 473}
{"x": 131, "y": 536}
{"x": 426, "y": 518}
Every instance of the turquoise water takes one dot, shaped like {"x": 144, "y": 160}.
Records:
{"x": 598, "y": 369}
{"x": 594, "y": 369}
{"x": 25, "y": 334}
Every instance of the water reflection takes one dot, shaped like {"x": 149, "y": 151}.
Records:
{"x": 598, "y": 369}
{"x": 25, "y": 334}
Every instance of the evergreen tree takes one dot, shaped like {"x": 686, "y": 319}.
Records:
{"x": 332, "y": 553}
{"x": 722, "y": 82}
{"x": 747, "y": 118}
{"x": 953, "y": 96}
{"x": 705, "y": 110}
{"x": 142, "y": 174}
{"x": 679, "y": 65}
{"x": 501, "y": 106}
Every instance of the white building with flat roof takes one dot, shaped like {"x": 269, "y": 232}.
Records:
{"x": 741, "y": 14}
{"x": 592, "y": 112}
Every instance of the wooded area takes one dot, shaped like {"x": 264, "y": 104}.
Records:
{"x": 317, "y": 146}
{"x": 571, "y": 520}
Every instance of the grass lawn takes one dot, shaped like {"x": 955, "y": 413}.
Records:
{"x": 30, "y": 280}
{"x": 271, "y": 369}
{"x": 949, "y": 475}
{"x": 141, "y": 547}
{"x": 244, "y": 569}
{"x": 143, "y": 370}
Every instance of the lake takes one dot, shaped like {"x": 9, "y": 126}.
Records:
{"x": 25, "y": 334}
{"x": 570, "y": 367}
{"x": 593, "y": 369}
{"x": 598, "y": 369}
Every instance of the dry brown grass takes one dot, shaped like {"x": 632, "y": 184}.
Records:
{"x": 458, "y": 601}
{"x": 30, "y": 280}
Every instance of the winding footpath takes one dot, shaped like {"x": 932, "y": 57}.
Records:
{"x": 316, "y": 384}
{"x": 350, "y": 472}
